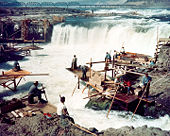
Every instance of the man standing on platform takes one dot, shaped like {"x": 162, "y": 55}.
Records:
{"x": 146, "y": 83}
{"x": 108, "y": 57}
{"x": 122, "y": 51}
{"x": 84, "y": 70}
{"x": 74, "y": 63}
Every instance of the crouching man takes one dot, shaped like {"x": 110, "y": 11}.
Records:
{"x": 34, "y": 92}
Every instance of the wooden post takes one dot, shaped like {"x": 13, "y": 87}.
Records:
{"x": 15, "y": 85}
{"x": 112, "y": 73}
{"x": 105, "y": 70}
{"x": 113, "y": 62}
{"x": 90, "y": 67}
{"x": 78, "y": 83}
{"x": 45, "y": 30}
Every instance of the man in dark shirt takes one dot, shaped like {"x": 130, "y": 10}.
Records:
{"x": 146, "y": 83}
{"x": 16, "y": 66}
{"x": 33, "y": 92}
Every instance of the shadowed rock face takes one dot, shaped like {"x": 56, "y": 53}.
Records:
{"x": 163, "y": 58}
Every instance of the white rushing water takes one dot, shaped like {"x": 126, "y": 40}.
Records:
{"x": 91, "y": 42}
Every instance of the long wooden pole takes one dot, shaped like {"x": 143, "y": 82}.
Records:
{"x": 157, "y": 36}
{"x": 44, "y": 92}
{"x": 84, "y": 88}
{"x": 111, "y": 103}
{"x": 92, "y": 95}
{"x": 83, "y": 129}
{"x": 140, "y": 101}
{"x": 88, "y": 91}
{"x": 74, "y": 89}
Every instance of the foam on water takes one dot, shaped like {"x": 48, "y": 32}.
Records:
{"x": 87, "y": 42}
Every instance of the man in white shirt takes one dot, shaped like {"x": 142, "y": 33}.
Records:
{"x": 62, "y": 110}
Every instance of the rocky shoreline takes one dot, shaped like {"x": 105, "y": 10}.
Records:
{"x": 40, "y": 125}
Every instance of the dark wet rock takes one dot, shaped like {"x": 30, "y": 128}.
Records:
{"x": 93, "y": 130}
{"x": 98, "y": 104}
{"x": 140, "y": 131}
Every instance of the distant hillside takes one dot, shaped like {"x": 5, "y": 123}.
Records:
{"x": 8, "y": 1}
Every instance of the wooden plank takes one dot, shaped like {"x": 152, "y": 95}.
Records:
{"x": 111, "y": 82}
{"x": 127, "y": 98}
{"x": 164, "y": 40}
{"x": 99, "y": 90}
{"x": 17, "y": 74}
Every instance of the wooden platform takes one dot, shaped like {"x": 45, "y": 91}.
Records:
{"x": 31, "y": 110}
{"x": 126, "y": 98}
{"x": 10, "y": 77}
{"x": 16, "y": 74}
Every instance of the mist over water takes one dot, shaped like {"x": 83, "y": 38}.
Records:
{"x": 91, "y": 38}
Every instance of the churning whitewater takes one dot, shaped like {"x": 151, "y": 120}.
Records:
{"x": 92, "y": 38}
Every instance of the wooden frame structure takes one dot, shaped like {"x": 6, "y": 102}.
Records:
{"x": 12, "y": 78}
{"x": 107, "y": 87}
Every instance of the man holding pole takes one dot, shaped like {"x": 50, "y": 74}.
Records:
{"x": 146, "y": 83}
{"x": 33, "y": 92}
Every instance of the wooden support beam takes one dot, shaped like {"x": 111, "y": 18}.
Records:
{"x": 90, "y": 67}
{"x": 83, "y": 129}
{"x": 97, "y": 89}
{"x": 74, "y": 89}
{"x": 78, "y": 83}
{"x": 92, "y": 95}
{"x": 84, "y": 88}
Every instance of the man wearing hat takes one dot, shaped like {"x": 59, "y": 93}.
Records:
{"x": 33, "y": 92}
